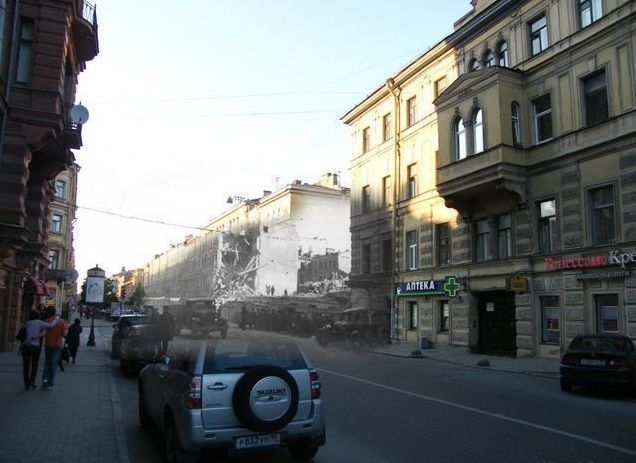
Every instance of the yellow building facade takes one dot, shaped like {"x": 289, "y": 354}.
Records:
{"x": 514, "y": 173}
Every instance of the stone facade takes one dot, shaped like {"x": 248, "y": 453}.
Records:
{"x": 517, "y": 163}
{"x": 38, "y": 73}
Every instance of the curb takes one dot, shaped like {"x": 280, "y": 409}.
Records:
{"x": 541, "y": 374}
{"x": 118, "y": 417}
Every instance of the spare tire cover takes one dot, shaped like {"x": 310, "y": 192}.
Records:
{"x": 265, "y": 398}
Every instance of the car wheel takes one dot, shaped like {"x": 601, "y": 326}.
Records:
{"x": 145, "y": 422}
{"x": 565, "y": 385}
{"x": 174, "y": 451}
{"x": 305, "y": 450}
{"x": 265, "y": 398}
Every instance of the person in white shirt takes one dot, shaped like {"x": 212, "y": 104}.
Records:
{"x": 32, "y": 345}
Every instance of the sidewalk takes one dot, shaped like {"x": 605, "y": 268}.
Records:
{"x": 79, "y": 421}
{"x": 461, "y": 356}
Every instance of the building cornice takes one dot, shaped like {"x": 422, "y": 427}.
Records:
{"x": 473, "y": 27}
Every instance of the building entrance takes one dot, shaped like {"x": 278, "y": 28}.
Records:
{"x": 497, "y": 323}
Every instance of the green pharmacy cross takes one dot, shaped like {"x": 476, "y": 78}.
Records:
{"x": 451, "y": 286}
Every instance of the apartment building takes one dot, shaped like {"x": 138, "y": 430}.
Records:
{"x": 514, "y": 226}
{"x": 44, "y": 45}
{"x": 61, "y": 276}
{"x": 255, "y": 246}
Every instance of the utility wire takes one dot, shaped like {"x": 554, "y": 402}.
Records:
{"x": 222, "y": 97}
{"x": 215, "y": 115}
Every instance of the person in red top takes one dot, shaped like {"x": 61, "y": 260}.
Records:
{"x": 53, "y": 342}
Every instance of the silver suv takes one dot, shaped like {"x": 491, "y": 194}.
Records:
{"x": 239, "y": 394}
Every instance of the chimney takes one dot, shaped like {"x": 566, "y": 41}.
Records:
{"x": 328, "y": 180}
{"x": 266, "y": 193}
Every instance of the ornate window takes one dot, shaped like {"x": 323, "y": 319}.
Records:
{"x": 473, "y": 65}
{"x": 489, "y": 59}
{"x": 516, "y": 124}
{"x": 478, "y": 131}
{"x": 460, "y": 139}
{"x": 502, "y": 54}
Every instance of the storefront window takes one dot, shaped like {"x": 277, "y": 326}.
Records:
{"x": 550, "y": 316}
{"x": 443, "y": 316}
{"x": 607, "y": 313}
{"x": 412, "y": 315}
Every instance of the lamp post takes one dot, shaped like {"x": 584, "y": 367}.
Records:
{"x": 94, "y": 296}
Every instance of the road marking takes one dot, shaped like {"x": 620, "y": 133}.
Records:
{"x": 486, "y": 413}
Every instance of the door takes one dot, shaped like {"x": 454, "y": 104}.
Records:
{"x": 497, "y": 323}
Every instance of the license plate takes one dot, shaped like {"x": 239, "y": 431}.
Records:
{"x": 254, "y": 442}
{"x": 593, "y": 362}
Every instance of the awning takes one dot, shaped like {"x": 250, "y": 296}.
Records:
{"x": 36, "y": 286}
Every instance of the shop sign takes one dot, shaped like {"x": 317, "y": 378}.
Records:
{"x": 609, "y": 275}
{"x": 447, "y": 287}
{"x": 617, "y": 257}
{"x": 518, "y": 284}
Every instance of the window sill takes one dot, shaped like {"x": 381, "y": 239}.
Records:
{"x": 543, "y": 142}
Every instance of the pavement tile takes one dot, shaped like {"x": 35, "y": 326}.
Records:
{"x": 72, "y": 423}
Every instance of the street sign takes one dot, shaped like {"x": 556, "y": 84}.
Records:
{"x": 518, "y": 284}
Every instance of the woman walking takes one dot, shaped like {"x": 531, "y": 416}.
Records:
{"x": 32, "y": 346}
{"x": 73, "y": 337}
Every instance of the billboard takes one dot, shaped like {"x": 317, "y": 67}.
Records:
{"x": 94, "y": 290}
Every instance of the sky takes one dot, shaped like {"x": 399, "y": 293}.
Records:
{"x": 214, "y": 98}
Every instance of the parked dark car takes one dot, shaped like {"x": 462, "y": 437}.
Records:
{"x": 121, "y": 329}
{"x": 599, "y": 360}
{"x": 140, "y": 347}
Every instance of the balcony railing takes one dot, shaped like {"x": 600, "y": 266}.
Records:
{"x": 88, "y": 12}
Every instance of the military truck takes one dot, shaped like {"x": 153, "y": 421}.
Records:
{"x": 198, "y": 318}
{"x": 356, "y": 326}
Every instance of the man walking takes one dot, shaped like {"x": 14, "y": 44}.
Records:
{"x": 166, "y": 324}
{"x": 53, "y": 342}
{"x": 73, "y": 337}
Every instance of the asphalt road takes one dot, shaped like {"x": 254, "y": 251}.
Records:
{"x": 386, "y": 409}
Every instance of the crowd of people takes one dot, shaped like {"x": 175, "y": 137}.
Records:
{"x": 61, "y": 343}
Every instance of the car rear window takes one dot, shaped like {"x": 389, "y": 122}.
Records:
{"x": 235, "y": 355}
{"x": 132, "y": 321}
{"x": 599, "y": 344}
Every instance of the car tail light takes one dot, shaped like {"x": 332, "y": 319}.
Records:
{"x": 193, "y": 394}
{"x": 568, "y": 360}
{"x": 315, "y": 384}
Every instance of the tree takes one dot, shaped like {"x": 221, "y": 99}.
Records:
{"x": 136, "y": 298}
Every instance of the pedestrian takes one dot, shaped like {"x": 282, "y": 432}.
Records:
{"x": 166, "y": 323}
{"x": 31, "y": 346}
{"x": 73, "y": 338}
{"x": 53, "y": 343}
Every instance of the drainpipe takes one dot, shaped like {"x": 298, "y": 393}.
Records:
{"x": 395, "y": 91}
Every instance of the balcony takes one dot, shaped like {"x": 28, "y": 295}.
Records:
{"x": 73, "y": 135}
{"x": 496, "y": 173}
{"x": 85, "y": 31}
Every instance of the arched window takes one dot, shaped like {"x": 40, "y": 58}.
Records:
{"x": 502, "y": 54}
{"x": 489, "y": 59}
{"x": 460, "y": 139}
{"x": 516, "y": 123}
{"x": 478, "y": 131}
{"x": 474, "y": 65}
